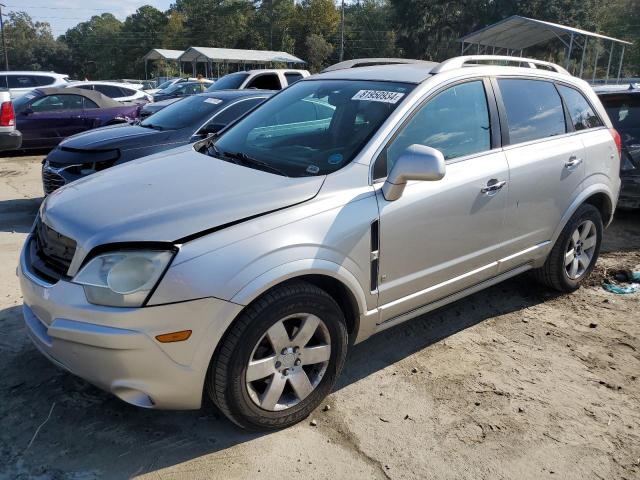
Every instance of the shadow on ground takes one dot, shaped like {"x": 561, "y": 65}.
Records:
{"x": 92, "y": 431}
{"x": 17, "y": 215}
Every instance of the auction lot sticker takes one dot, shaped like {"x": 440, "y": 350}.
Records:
{"x": 378, "y": 96}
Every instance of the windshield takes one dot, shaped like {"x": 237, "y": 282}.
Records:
{"x": 231, "y": 81}
{"x": 173, "y": 88}
{"x": 191, "y": 111}
{"x": 166, "y": 84}
{"x": 20, "y": 102}
{"x": 312, "y": 127}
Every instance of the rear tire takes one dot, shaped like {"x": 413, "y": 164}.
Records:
{"x": 575, "y": 252}
{"x": 280, "y": 358}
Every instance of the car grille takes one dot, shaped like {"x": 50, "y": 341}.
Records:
{"x": 50, "y": 253}
{"x": 51, "y": 180}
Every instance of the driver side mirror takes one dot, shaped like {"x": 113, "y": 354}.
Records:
{"x": 417, "y": 162}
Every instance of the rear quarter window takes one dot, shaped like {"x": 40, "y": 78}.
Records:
{"x": 580, "y": 111}
{"x": 43, "y": 80}
{"x": 534, "y": 109}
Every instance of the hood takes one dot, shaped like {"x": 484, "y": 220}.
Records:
{"x": 166, "y": 197}
{"x": 123, "y": 137}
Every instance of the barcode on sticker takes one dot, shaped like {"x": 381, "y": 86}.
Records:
{"x": 378, "y": 96}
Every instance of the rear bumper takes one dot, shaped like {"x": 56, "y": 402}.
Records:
{"x": 10, "y": 140}
{"x": 116, "y": 349}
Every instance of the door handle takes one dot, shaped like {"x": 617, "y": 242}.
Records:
{"x": 572, "y": 163}
{"x": 493, "y": 186}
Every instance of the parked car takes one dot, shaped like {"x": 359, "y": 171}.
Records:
{"x": 45, "y": 116}
{"x": 149, "y": 109}
{"x": 266, "y": 79}
{"x": 184, "y": 122}
{"x": 21, "y": 82}
{"x": 10, "y": 137}
{"x": 172, "y": 81}
{"x": 245, "y": 266}
{"x": 121, "y": 92}
{"x": 622, "y": 103}
{"x": 181, "y": 89}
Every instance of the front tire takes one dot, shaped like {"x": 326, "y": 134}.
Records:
{"x": 280, "y": 358}
{"x": 575, "y": 252}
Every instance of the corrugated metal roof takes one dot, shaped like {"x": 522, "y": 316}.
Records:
{"x": 235, "y": 55}
{"x": 518, "y": 32}
{"x": 161, "y": 53}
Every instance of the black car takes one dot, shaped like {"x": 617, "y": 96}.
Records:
{"x": 182, "y": 89}
{"x": 622, "y": 103}
{"x": 149, "y": 109}
{"x": 183, "y": 122}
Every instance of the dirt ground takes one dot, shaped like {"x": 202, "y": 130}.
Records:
{"x": 513, "y": 382}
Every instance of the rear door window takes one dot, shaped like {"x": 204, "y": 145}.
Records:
{"x": 58, "y": 102}
{"x": 292, "y": 77}
{"x": 580, "y": 111}
{"x": 20, "y": 81}
{"x": 534, "y": 109}
{"x": 111, "y": 91}
{"x": 266, "y": 81}
{"x": 42, "y": 80}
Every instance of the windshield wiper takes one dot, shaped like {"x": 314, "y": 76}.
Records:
{"x": 244, "y": 159}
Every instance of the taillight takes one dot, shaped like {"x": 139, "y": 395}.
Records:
{"x": 7, "y": 117}
{"x": 618, "y": 140}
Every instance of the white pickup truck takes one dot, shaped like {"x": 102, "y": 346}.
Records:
{"x": 264, "y": 79}
{"x": 10, "y": 138}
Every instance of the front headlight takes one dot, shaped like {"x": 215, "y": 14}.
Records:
{"x": 123, "y": 279}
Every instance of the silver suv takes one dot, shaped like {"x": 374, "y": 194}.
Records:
{"x": 245, "y": 265}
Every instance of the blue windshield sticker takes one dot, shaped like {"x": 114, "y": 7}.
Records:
{"x": 335, "y": 159}
{"x": 313, "y": 169}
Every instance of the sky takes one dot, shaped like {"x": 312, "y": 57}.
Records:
{"x": 64, "y": 14}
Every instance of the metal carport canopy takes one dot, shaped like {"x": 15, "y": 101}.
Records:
{"x": 233, "y": 55}
{"x": 517, "y": 33}
{"x": 163, "y": 54}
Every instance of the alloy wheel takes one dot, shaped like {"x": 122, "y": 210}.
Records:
{"x": 288, "y": 362}
{"x": 580, "y": 250}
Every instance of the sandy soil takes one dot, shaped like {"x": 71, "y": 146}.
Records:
{"x": 513, "y": 382}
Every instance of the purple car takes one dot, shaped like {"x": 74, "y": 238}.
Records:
{"x": 46, "y": 116}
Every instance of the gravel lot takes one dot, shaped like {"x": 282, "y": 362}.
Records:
{"x": 513, "y": 382}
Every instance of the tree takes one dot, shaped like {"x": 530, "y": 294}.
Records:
{"x": 318, "y": 50}
{"x": 31, "y": 46}
{"x": 368, "y": 30}
{"x": 140, "y": 32}
{"x": 318, "y": 17}
{"x": 95, "y": 48}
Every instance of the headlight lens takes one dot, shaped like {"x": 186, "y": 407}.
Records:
{"x": 123, "y": 279}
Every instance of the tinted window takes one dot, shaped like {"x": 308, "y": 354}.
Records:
{"x": 42, "y": 80}
{"x": 111, "y": 91}
{"x": 89, "y": 103}
{"x": 20, "y": 81}
{"x": 456, "y": 122}
{"x": 286, "y": 135}
{"x": 191, "y": 111}
{"x": 534, "y": 109}
{"x": 581, "y": 113}
{"x": 236, "y": 110}
{"x": 624, "y": 112}
{"x": 126, "y": 92}
{"x": 57, "y": 102}
{"x": 231, "y": 81}
{"x": 83, "y": 87}
{"x": 292, "y": 77}
{"x": 3, "y": 81}
{"x": 267, "y": 81}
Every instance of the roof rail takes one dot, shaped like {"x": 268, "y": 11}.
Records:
{"x": 459, "y": 62}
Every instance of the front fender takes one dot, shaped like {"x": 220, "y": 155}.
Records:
{"x": 298, "y": 268}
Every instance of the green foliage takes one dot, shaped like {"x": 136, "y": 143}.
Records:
{"x": 103, "y": 47}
